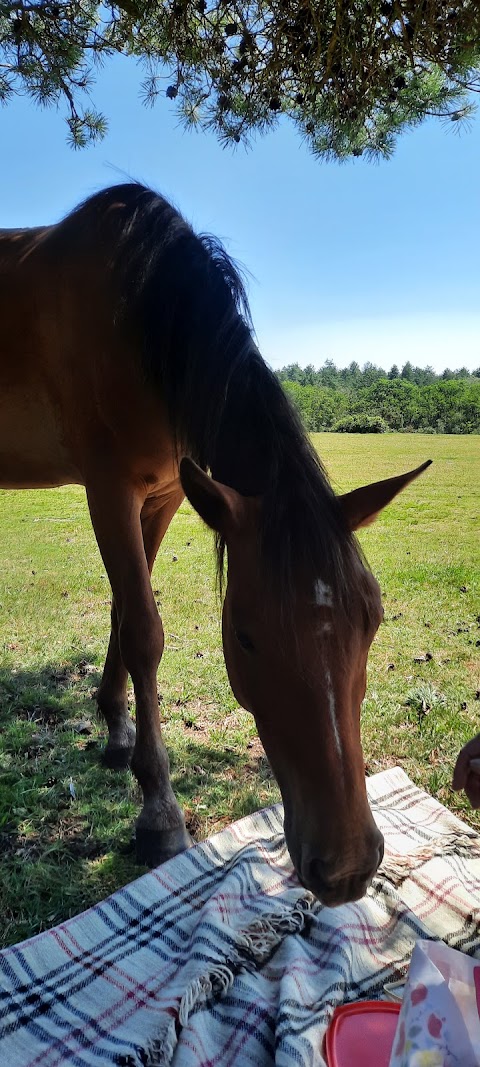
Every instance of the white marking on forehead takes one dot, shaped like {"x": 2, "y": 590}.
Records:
{"x": 324, "y": 628}
{"x": 333, "y": 713}
{"x": 323, "y": 594}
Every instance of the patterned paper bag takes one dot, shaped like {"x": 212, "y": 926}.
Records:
{"x": 439, "y": 1023}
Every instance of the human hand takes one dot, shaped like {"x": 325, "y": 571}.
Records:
{"x": 467, "y": 771}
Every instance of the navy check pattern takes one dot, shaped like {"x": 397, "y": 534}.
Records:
{"x": 220, "y": 957}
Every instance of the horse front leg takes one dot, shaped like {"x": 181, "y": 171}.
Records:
{"x": 116, "y": 518}
{"x": 111, "y": 696}
{"x": 113, "y": 705}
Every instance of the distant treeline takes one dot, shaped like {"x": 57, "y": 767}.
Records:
{"x": 371, "y": 400}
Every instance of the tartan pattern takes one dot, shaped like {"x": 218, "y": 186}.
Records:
{"x": 221, "y": 958}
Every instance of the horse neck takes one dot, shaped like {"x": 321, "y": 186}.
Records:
{"x": 15, "y": 244}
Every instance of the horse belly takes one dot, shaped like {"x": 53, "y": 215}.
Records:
{"x": 32, "y": 452}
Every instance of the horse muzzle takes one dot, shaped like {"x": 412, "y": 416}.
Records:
{"x": 332, "y": 888}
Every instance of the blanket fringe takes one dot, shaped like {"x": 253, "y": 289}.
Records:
{"x": 396, "y": 868}
{"x": 253, "y": 946}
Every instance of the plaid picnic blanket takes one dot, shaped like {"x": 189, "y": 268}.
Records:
{"x": 221, "y": 958}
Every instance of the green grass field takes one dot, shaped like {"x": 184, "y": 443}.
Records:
{"x": 58, "y": 853}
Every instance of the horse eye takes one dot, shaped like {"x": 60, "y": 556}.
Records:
{"x": 244, "y": 641}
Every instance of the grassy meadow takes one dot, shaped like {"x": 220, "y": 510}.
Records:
{"x": 60, "y": 852}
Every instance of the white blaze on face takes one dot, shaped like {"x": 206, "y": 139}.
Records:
{"x": 323, "y": 594}
{"x": 324, "y": 599}
{"x": 332, "y": 710}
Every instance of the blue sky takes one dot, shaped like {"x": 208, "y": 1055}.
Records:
{"x": 354, "y": 261}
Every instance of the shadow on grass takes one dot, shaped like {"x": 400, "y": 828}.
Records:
{"x": 53, "y": 691}
{"x": 66, "y": 821}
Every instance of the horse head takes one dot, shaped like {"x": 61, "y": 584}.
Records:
{"x": 302, "y": 674}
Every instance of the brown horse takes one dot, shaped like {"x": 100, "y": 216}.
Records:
{"x": 128, "y": 366}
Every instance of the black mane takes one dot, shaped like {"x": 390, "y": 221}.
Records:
{"x": 185, "y": 300}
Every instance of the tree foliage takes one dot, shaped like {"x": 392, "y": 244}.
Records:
{"x": 360, "y": 423}
{"x": 370, "y": 401}
{"x": 350, "y": 76}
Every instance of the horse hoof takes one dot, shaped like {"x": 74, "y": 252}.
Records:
{"x": 117, "y": 758}
{"x": 154, "y": 847}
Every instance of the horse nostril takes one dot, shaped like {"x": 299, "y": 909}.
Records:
{"x": 314, "y": 873}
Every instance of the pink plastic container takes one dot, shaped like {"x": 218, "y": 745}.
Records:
{"x": 361, "y": 1034}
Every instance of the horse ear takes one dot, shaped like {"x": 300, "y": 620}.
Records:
{"x": 361, "y": 506}
{"x": 218, "y": 505}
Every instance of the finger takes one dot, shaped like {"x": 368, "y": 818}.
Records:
{"x": 472, "y": 790}
{"x": 460, "y": 770}
{"x": 468, "y": 752}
